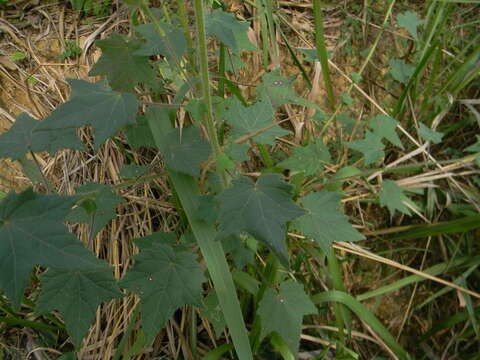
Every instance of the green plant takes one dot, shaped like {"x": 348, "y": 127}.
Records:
{"x": 72, "y": 50}
{"x": 284, "y": 207}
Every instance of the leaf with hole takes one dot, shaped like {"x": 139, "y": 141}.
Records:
{"x": 283, "y": 311}
{"x": 165, "y": 279}
{"x": 252, "y": 119}
{"x": 371, "y": 147}
{"x": 119, "y": 62}
{"x": 172, "y": 44}
{"x": 309, "y": 159}
{"x": 261, "y": 209}
{"x": 76, "y": 294}
{"x": 279, "y": 90}
{"x": 94, "y": 104}
{"x": 324, "y": 222}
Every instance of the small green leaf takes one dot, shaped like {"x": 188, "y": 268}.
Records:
{"x": 474, "y": 147}
{"x": 428, "y": 134}
{"x": 242, "y": 255}
{"x": 197, "y": 109}
{"x": 165, "y": 279}
{"x": 119, "y": 62}
{"x": 283, "y": 311}
{"x": 249, "y": 120}
{"x": 185, "y": 150}
{"x": 76, "y": 294}
{"x": 106, "y": 202}
{"x": 214, "y": 314}
{"x": 228, "y": 30}
{"x": 279, "y": 90}
{"x": 261, "y": 209}
{"x": 392, "y": 196}
{"x": 238, "y": 152}
{"x": 356, "y": 78}
{"x": 346, "y": 99}
{"x": 309, "y": 159}
{"x": 17, "y": 55}
{"x": 139, "y": 134}
{"x": 410, "y": 21}
{"x": 172, "y": 45}
{"x": 323, "y": 222}
{"x": 384, "y": 127}
{"x": 371, "y": 147}
{"x": 400, "y": 70}
{"x": 92, "y": 104}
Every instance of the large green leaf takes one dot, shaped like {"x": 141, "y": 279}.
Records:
{"x": 32, "y": 232}
{"x": 282, "y": 312}
{"x": 323, "y": 222}
{"x": 261, "y": 209}
{"x": 105, "y": 202}
{"x": 172, "y": 45}
{"x": 228, "y": 30}
{"x": 165, "y": 279}
{"x": 184, "y": 150}
{"x": 371, "y": 147}
{"x": 76, "y": 294}
{"x": 249, "y": 120}
{"x": 93, "y": 104}
{"x": 309, "y": 159}
{"x": 20, "y": 139}
{"x": 120, "y": 63}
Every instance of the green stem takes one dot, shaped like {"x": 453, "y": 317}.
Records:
{"x": 182, "y": 13}
{"x": 203, "y": 55}
{"x": 322, "y": 52}
{"x": 266, "y": 158}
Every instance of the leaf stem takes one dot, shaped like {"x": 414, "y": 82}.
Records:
{"x": 204, "y": 74}
{"x": 322, "y": 52}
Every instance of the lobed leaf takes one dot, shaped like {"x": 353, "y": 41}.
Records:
{"x": 309, "y": 159}
{"x": 371, "y": 147}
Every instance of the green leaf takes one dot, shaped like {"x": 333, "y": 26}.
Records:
{"x": 165, "y": 279}
{"x": 228, "y": 30}
{"x": 197, "y": 109}
{"x": 92, "y": 104}
{"x": 76, "y": 294}
{"x": 32, "y": 232}
{"x": 323, "y": 222}
{"x": 371, "y": 147}
{"x": 21, "y": 139}
{"x": 309, "y": 159}
{"x": 119, "y": 62}
{"x": 106, "y": 202}
{"x": 282, "y": 312}
{"x": 134, "y": 171}
{"x": 279, "y": 90}
{"x": 356, "y": 78}
{"x": 241, "y": 254}
{"x": 162, "y": 238}
{"x": 184, "y": 150}
{"x": 214, "y": 314}
{"x": 410, "y": 21}
{"x": 392, "y": 196}
{"x": 474, "y": 147}
{"x": 139, "y": 134}
{"x": 261, "y": 209}
{"x": 346, "y": 99}
{"x": 17, "y": 55}
{"x": 429, "y": 135}
{"x": 238, "y": 152}
{"x": 172, "y": 45}
{"x": 249, "y": 120}
{"x": 400, "y": 70}
{"x": 384, "y": 127}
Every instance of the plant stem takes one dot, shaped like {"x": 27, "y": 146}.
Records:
{"x": 322, "y": 52}
{"x": 203, "y": 55}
